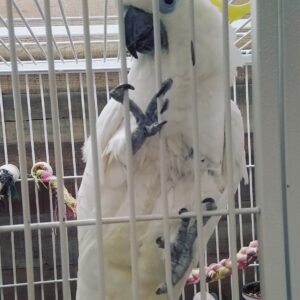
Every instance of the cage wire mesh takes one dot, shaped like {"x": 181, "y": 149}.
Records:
{"x": 32, "y": 59}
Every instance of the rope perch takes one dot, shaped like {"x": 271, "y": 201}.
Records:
{"x": 223, "y": 269}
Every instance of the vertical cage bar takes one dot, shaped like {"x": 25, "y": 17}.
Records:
{"x": 22, "y": 154}
{"x": 106, "y": 86}
{"x": 35, "y": 188}
{"x": 53, "y": 242}
{"x": 129, "y": 160}
{"x": 241, "y": 228}
{"x": 95, "y": 93}
{"x": 44, "y": 118}
{"x": 250, "y": 161}
{"x": 3, "y": 126}
{"x": 71, "y": 131}
{"x": 10, "y": 208}
{"x": 94, "y": 146}
{"x": 58, "y": 156}
{"x": 105, "y": 31}
{"x": 196, "y": 146}
{"x": 13, "y": 249}
{"x": 239, "y": 189}
{"x": 228, "y": 151}
{"x": 50, "y": 193}
{"x": 267, "y": 92}
{"x": 291, "y": 49}
{"x": 162, "y": 151}
{"x": 218, "y": 259}
{"x": 83, "y": 106}
{"x": 30, "y": 117}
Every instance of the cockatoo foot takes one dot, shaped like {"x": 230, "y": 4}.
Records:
{"x": 181, "y": 250}
{"x": 118, "y": 93}
{"x": 182, "y": 247}
{"x": 147, "y": 123}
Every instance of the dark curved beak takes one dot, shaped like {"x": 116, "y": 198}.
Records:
{"x": 139, "y": 32}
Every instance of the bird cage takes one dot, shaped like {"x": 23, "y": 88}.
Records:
{"x": 59, "y": 61}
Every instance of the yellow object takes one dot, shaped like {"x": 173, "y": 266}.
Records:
{"x": 235, "y": 11}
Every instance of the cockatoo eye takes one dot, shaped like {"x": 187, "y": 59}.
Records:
{"x": 167, "y": 6}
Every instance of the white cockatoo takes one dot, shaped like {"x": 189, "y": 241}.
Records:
{"x": 178, "y": 56}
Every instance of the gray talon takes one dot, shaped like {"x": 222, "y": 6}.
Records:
{"x": 151, "y": 111}
{"x": 154, "y": 128}
{"x": 183, "y": 211}
{"x": 160, "y": 242}
{"x": 165, "y": 106}
{"x": 162, "y": 289}
{"x": 210, "y": 204}
{"x": 118, "y": 92}
{"x": 165, "y": 86}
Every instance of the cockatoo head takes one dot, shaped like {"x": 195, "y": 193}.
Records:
{"x": 176, "y": 34}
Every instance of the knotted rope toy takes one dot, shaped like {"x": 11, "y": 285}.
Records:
{"x": 8, "y": 176}
{"x": 223, "y": 269}
{"x": 42, "y": 173}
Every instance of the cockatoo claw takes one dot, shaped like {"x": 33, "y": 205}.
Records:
{"x": 210, "y": 204}
{"x": 165, "y": 106}
{"x": 154, "y": 128}
{"x": 183, "y": 211}
{"x": 165, "y": 86}
{"x": 160, "y": 242}
{"x": 151, "y": 111}
{"x": 162, "y": 289}
{"x": 147, "y": 123}
{"x": 118, "y": 93}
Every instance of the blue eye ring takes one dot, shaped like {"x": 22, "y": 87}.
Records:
{"x": 167, "y": 6}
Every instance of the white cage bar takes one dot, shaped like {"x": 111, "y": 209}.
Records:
{"x": 58, "y": 154}
{"x": 40, "y": 76}
{"x": 276, "y": 112}
{"x": 129, "y": 158}
{"x": 94, "y": 146}
{"x": 162, "y": 149}
{"x": 195, "y": 118}
{"x": 22, "y": 153}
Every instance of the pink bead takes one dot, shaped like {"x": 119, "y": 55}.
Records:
{"x": 244, "y": 250}
{"x": 254, "y": 244}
